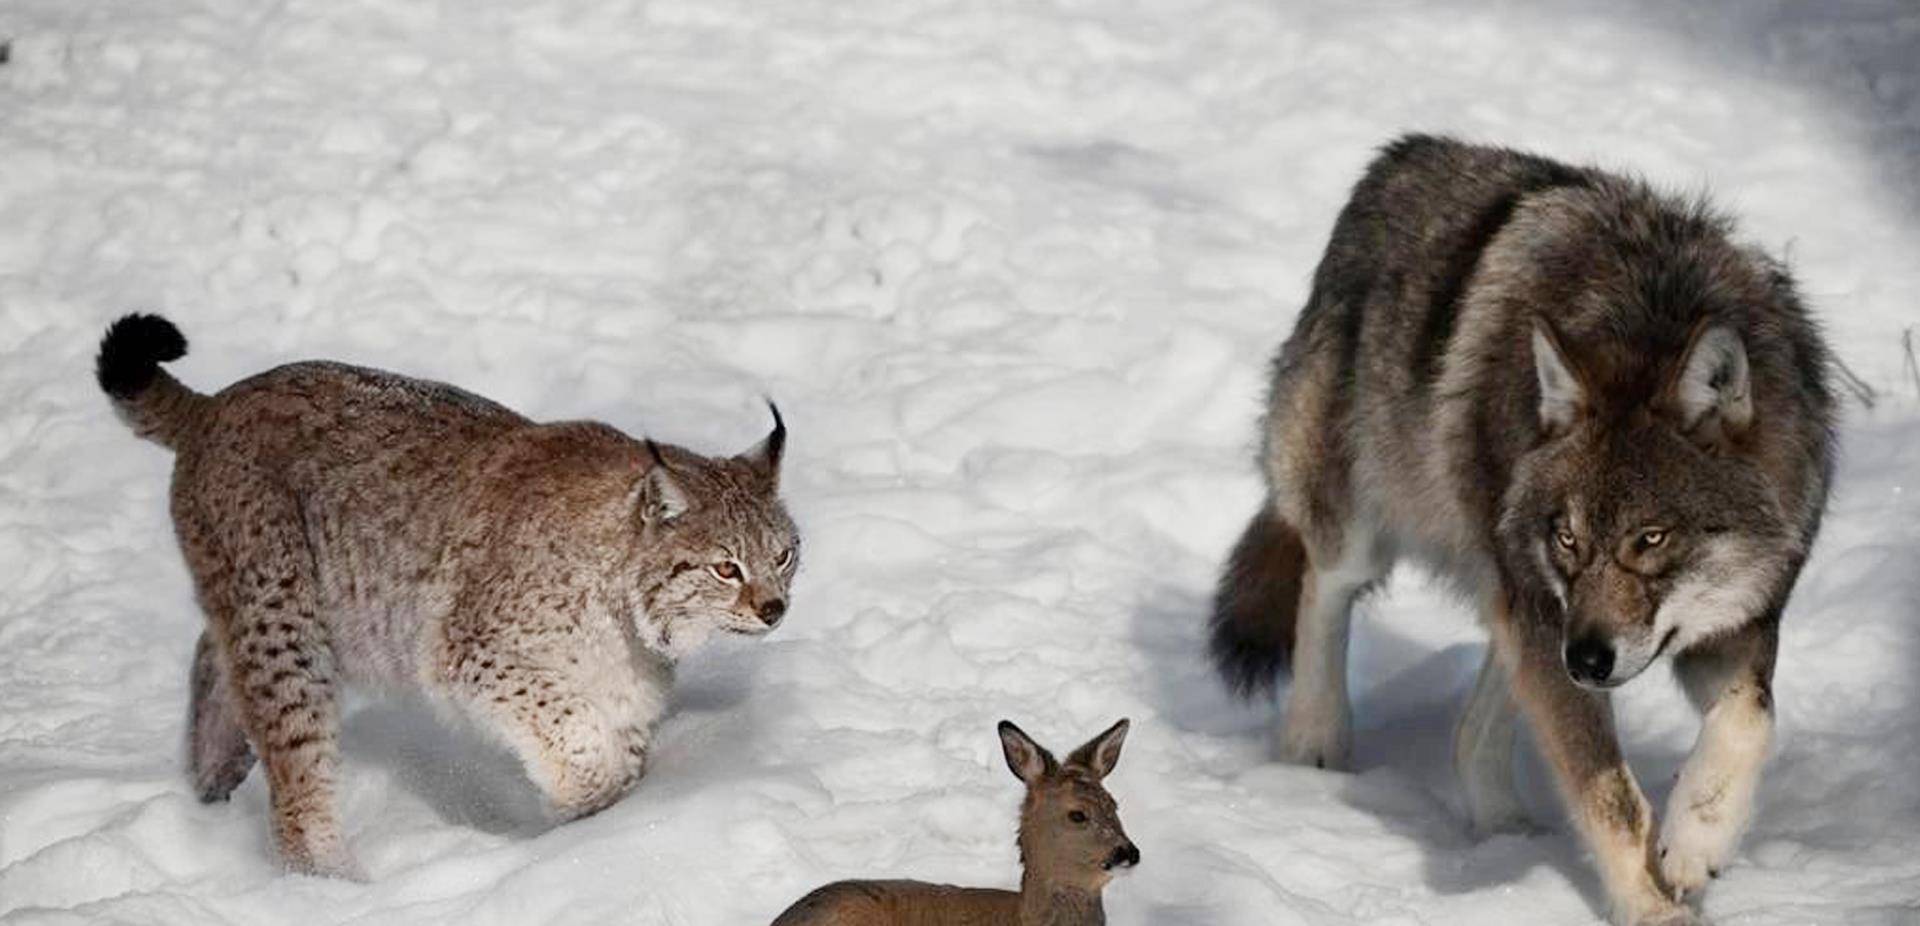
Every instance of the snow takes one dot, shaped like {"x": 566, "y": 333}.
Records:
{"x": 1013, "y": 270}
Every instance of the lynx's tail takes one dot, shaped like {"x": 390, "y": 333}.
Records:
{"x": 1257, "y": 604}
{"x": 153, "y": 403}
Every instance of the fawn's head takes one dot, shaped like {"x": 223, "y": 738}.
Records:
{"x": 1069, "y": 825}
{"x": 723, "y": 548}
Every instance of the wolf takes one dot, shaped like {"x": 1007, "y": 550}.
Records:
{"x": 1605, "y": 422}
{"x": 350, "y": 526}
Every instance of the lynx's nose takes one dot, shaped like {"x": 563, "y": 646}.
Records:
{"x": 772, "y": 610}
{"x": 1589, "y": 660}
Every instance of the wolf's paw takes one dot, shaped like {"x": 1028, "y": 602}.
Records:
{"x": 1317, "y": 739}
{"x": 1694, "y": 846}
{"x": 1500, "y": 819}
{"x": 1694, "y": 850}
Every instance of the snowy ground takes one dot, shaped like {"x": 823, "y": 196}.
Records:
{"x": 1013, "y": 269}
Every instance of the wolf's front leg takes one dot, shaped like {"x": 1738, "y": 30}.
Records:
{"x": 1731, "y": 683}
{"x": 1575, "y": 731}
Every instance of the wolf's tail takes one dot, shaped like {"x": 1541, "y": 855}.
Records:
{"x": 153, "y": 403}
{"x": 1257, "y": 604}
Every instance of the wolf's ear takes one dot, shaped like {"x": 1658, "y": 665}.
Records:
{"x": 661, "y": 497}
{"x": 1101, "y": 753}
{"x": 1562, "y": 397}
{"x": 1028, "y": 760}
{"x": 1712, "y": 382}
{"x": 766, "y": 455}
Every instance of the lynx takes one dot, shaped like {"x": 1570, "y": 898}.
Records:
{"x": 346, "y": 526}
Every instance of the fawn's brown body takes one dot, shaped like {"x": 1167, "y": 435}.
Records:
{"x": 1070, "y": 843}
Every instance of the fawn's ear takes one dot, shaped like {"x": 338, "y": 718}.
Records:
{"x": 1101, "y": 753}
{"x": 1562, "y": 395}
{"x": 661, "y": 497}
{"x": 765, "y": 456}
{"x": 1712, "y": 384}
{"x": 1028, "y": 761}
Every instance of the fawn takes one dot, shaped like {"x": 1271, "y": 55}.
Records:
{"x": 1071, "y": 842}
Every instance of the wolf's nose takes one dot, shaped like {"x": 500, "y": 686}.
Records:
{"x": 1589, "y": 660}
{"x": 772, "y": 610}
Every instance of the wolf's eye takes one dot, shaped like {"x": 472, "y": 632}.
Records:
{"x": 1077, "y": 816}
{"x": 1652, "y": 538}
{"x": 729, "y": 570}
{"x": 1563, "y": 537}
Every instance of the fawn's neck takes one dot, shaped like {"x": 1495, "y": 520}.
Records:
{"x": 1047, "y": 903}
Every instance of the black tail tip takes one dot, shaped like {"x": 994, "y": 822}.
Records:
{"x": 132, "y": 351}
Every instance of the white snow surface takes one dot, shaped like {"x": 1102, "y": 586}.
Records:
{"x": 1013, "y": 269}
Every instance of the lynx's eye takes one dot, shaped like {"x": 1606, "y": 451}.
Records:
{"x": 786, "y": 558}
{"x": 728, "y": 571}
{"x": 1652, "y": 537}
{"x": 1077, "y": 816}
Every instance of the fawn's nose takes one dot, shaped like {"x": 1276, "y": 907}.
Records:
{"x": 772, "y": 610}
{"x": 1589, "y": 660}
{"x": 1126, "y": 856}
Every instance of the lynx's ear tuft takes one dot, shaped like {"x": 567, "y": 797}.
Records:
{"x": 1713, "y": 385}
{"x": 661, "y": 496}
{"x": 766, "y": 455}
{"x": 1562, "y": 396}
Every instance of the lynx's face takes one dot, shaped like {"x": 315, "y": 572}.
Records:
{"x": 721, "y": 549}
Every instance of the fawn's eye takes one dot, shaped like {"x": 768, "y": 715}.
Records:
{"x": 1652, "y": 537}
{"x": 728, "y": 570}
{"x": 1077, "y": 816}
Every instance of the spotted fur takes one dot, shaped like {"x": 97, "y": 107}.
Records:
{"x": 346, "y": 526}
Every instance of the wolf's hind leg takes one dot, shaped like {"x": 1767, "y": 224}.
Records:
{"x": 218, "y": 754}
{"x": 1318, "y": 727}
{"x": 1731, "y": 682}
{"x": 1483, "y": 754}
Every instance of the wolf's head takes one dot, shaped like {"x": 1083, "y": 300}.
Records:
{"x": 1637, "y": 516}
{"x": 721, "y": 549}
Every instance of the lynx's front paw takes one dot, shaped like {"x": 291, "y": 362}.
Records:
{"x": 1674, "y": 915}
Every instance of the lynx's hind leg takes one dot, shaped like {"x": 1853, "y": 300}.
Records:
{"x": 218, "y": 754}
{"x": 256, "y": 579}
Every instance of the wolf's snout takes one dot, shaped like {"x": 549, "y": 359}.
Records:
{"x": 1126, "y": 856}
{"x": 1589, "y": 660}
